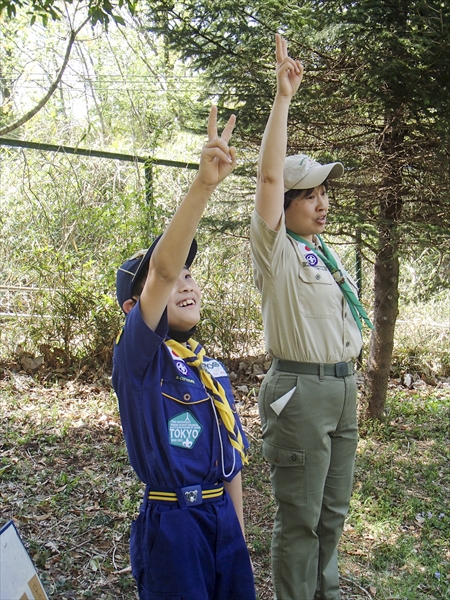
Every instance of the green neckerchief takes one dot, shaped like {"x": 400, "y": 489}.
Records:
{"x": 358, "y": 312}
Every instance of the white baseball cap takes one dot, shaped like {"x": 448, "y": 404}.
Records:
{"x": 302, "y": 172}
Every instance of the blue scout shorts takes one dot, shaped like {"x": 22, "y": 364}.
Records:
{"x": 198, "y": 553}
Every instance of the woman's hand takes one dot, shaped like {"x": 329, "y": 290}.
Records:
{"x": 289, "y": 71}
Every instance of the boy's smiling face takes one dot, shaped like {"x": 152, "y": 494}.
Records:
{"x": 183, "y": 306}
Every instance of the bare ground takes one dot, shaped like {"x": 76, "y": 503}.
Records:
{"x": 66, "y": 482}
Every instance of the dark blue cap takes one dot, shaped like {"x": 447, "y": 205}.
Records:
{"x": 132, "y": 268}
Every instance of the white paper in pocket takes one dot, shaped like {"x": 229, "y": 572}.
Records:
{"x": 279, "y": 404}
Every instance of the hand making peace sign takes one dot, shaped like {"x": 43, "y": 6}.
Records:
{"x": 289, "y": 71}
{"x": 217, "y": 160}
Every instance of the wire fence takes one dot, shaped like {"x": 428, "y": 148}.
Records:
{"x": 70, "y": 216}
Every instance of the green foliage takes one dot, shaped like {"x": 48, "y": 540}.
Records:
{"x": 422, "y": 336}
{"x": 67, "y": 224}
{"x": 66, "y": 243}
{"x": 374, "y": 95}
{"x": 231, "y": 317}
{"x": 100, "y": 11}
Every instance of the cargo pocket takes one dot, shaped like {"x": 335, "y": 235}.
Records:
{"x": 287, "y": 473}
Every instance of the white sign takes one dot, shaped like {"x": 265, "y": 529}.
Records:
{"x": 18, "y": 577}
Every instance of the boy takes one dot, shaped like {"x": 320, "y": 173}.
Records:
{"x": 183, "y": 436}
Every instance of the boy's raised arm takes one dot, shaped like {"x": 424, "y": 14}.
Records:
{"x": 217, "y": 161}
{"x": 270, "y": 187}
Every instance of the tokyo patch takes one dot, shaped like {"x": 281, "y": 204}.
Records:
{"x": 184, "y": 430}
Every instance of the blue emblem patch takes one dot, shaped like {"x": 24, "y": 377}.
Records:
{"x": 312, "y": 259}
{"x": 181, "y": 367}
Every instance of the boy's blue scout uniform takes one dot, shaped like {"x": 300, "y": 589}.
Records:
{"x": 187, "y": 543}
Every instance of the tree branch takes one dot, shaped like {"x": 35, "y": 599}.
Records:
{"x": 30, "y": 114}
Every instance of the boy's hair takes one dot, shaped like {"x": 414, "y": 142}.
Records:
{"x": 139, "y": 282}
{"x": 291, "y": 195}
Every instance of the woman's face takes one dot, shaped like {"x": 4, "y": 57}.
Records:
{"x": 183, "y": 307}
{"x": 307, "y": 215}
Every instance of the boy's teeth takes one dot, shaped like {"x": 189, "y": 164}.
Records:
{"x": 186, "y": 303}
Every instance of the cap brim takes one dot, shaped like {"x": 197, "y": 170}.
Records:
{"x": 146, "y": 259}
{"x": 317, "y": 175}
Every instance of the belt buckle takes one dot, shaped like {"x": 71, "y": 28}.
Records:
{"x": 190, "y": 496}
{"x": 341, "y": 369}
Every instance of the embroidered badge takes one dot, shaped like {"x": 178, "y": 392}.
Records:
{"x": 311, "y": 257}
{"x": 214, "y": 368}
{"x": 181, "y": 367}
{"x": 184, "y": 430}
{"x": 179, "y": 363}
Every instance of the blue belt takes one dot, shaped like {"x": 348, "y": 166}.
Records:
{"x": 191, "y": 495}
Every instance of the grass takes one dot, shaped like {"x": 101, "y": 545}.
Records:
{"x": 66, "y": 481}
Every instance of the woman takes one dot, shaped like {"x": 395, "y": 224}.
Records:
{"x": 312, "y": 322}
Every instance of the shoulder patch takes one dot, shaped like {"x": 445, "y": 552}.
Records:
{"x": 214, "y": 368}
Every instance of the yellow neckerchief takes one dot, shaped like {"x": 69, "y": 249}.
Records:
{"x": 194, "y": 358}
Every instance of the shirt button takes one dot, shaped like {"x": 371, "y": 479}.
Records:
{"x": 345, "y": 315}
{"x": 317, "y": 277}
{"x": 347, "y": 344}
{"x": 187, "y": 397}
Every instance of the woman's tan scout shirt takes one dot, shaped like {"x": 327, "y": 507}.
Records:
{"x": 306, "y": 317}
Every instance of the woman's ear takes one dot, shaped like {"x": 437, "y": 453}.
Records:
{"x": 128, "y": 305}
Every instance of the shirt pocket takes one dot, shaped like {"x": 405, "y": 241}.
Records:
{"x": 185, "y": 393}
{"x": 317, "y": 293}
{"x": 189, "y": 418}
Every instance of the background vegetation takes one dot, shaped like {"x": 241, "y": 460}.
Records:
{"x": 144, "y": 89}
{"x": 140, "y": 81}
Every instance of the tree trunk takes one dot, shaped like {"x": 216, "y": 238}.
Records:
{"x": 385, "y": 315}
{"x": 386, "y": 272}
